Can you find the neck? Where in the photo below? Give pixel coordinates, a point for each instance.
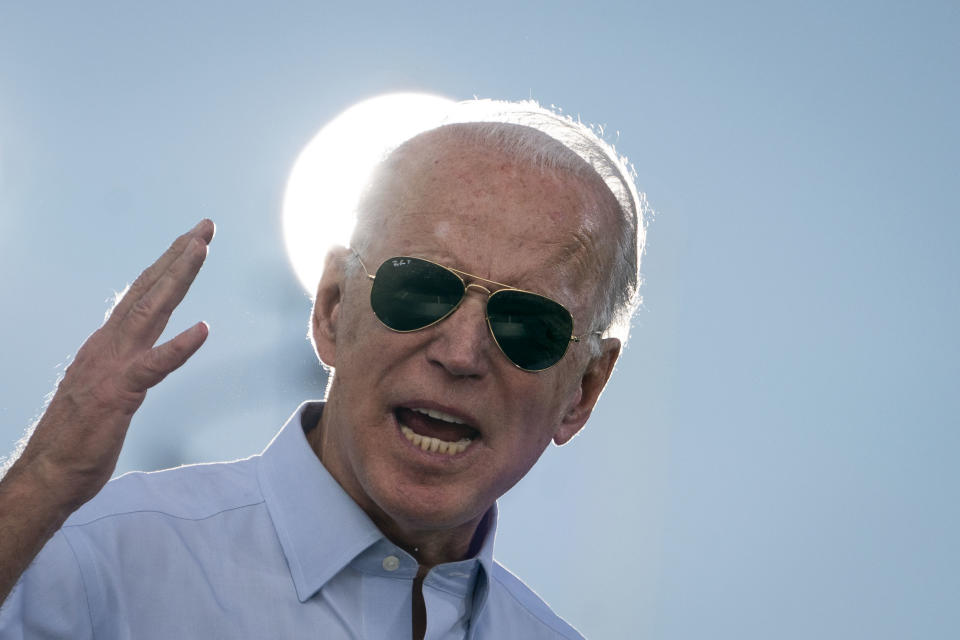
(431, 548)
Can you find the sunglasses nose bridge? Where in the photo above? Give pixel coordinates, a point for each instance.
(474, 285)
(478, 288)
(461, 340)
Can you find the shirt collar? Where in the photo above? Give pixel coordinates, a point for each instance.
(320, 528)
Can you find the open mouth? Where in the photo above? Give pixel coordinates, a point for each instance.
(435, 431)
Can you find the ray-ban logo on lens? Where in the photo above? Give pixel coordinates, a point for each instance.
(400, 263)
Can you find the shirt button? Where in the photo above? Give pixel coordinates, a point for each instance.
(391, 563)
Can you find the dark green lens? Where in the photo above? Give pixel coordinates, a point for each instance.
(410, 294)
(531, 330)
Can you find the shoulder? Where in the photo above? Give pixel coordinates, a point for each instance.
(177, 520)
(192, 492)
(531, 617)
(168, 538)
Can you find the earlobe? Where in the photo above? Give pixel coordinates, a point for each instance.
(326, 306)
(592, 382)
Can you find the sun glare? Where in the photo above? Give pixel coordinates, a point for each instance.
(326, 180)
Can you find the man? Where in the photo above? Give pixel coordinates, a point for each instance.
(467, 327)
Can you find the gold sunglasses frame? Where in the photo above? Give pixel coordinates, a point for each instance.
(466, 287)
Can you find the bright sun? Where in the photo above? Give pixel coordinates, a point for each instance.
(325, 182)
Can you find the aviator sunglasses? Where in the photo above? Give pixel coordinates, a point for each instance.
(409, 294)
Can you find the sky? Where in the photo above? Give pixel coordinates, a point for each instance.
(775, 455)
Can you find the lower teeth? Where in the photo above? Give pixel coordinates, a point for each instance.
(428, 443)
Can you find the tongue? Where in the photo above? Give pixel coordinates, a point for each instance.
(427, 426)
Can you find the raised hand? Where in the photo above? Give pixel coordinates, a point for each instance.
(76, 443)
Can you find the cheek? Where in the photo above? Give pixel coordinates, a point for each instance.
(370, 355)
(536, 410)
(549, 407)
(357, 327)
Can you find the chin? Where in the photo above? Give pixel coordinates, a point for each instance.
(423, 507)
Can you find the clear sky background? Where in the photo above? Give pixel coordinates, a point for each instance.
(777, 454)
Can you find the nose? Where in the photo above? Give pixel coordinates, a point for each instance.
(462, 342)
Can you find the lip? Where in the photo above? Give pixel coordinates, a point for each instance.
(459, 414)
(435, 458)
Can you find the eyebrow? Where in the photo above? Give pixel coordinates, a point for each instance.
(460, 272)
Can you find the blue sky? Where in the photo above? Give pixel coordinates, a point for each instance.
(776, 454)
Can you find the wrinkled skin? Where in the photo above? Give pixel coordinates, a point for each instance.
(75, 445)
(480, 212)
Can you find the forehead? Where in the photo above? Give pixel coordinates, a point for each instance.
(476, 208)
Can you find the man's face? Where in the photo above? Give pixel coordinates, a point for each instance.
(479, 212)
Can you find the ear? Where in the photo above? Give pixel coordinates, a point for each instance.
(591, 384)
(326, 306)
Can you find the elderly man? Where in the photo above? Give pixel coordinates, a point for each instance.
(468, 326)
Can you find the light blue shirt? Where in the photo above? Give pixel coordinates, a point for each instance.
(266, 547)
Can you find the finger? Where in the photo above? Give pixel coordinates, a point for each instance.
(148, 315)
(156, 364)
(204, 230)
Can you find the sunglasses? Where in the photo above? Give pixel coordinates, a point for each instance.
(409, 294)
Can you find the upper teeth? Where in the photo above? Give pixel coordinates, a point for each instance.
(439, 415)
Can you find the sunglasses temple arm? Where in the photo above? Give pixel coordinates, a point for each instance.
(362, 266)
(579, 338)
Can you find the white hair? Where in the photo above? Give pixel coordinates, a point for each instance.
(556, 142)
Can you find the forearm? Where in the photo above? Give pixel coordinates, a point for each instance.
(30, 513)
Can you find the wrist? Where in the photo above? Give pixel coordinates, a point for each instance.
(32, 485)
